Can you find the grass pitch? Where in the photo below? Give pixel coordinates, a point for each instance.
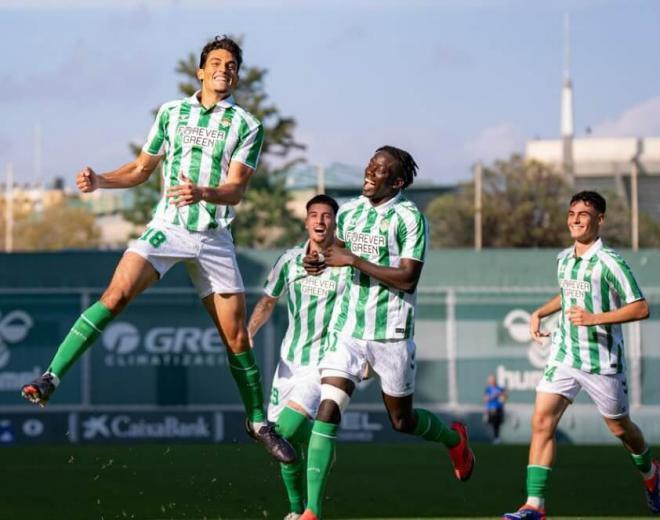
(239, 481)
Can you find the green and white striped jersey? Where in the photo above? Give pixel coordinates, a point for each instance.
(599, 281)
(201, 142)
(310, 300)
(382, 235)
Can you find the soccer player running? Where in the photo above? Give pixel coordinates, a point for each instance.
(598, 292)
(310, 299)
(382, 237)
(210, 147)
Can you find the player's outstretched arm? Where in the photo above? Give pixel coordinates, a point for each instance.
(229, 193)
(403, 278)
(126, 176)
(550, 307)
(634, 311)
(260, 315)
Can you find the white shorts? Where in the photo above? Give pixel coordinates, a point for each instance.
(209, 256)
(300, 384)
(608, 391)
(392, 360)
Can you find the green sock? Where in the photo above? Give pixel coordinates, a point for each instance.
(81, 336)
(246, 373)
(294, 426)
(431, 428)
(320, 453)
(537, 479)
(643, 461)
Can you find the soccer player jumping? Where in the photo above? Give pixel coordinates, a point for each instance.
(210, 147)
(296, 388)
(598, 292)
(382, 237)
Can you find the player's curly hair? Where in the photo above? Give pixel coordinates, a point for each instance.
(590, 198)
(225, 43)
(407, 165)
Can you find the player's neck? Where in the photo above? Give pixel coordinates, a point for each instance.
(383, 200)
(209, 98)
(582, 247)
(319, 247)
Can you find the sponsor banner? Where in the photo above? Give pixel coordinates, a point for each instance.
(131, 427)
(17, 428)
(31, 328)
(166, 351)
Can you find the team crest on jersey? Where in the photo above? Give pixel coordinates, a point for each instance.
(384, 225)
(225, 122)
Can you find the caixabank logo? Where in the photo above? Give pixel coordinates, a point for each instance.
(126, 345)
(132, 427)
(15, 326)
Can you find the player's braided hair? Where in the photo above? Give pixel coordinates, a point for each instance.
(407, 165)
(225, 43)
(590, 198)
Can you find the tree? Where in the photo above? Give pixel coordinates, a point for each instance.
(263, 219)
(58, 227)
(524, 204)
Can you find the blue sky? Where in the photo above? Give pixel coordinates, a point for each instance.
(452, 81)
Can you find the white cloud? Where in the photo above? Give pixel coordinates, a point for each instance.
(642, 120)
(495, 142)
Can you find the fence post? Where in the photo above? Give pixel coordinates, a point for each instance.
(452, 383)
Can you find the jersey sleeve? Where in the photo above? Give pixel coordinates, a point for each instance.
(156, 140)
(276, 282)
(250, 141)
(620, 278)
(413, 236)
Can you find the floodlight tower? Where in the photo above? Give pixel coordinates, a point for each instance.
(567, 107)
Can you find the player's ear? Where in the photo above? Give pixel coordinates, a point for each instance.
(200, 74)
(398, 183)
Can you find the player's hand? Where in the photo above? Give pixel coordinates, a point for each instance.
(579, 316)
(535, 328)
(87, 180)
(336, 256)
(314, 263)
(185, 193)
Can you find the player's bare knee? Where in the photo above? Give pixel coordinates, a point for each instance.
(543, 424)
(402, 423)
(329, 412)
(237, 340)
(115, 299)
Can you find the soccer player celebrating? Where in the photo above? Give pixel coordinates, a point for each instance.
(382, 237)
(598, 292)
(210, 148)
(297, 384)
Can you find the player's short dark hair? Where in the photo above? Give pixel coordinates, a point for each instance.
(590, 198)
(407, 167)
(225, 43)
(323, 199)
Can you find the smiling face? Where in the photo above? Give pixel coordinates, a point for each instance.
(320, 224)
(382, 179)
(220, 73)
(584, 222)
